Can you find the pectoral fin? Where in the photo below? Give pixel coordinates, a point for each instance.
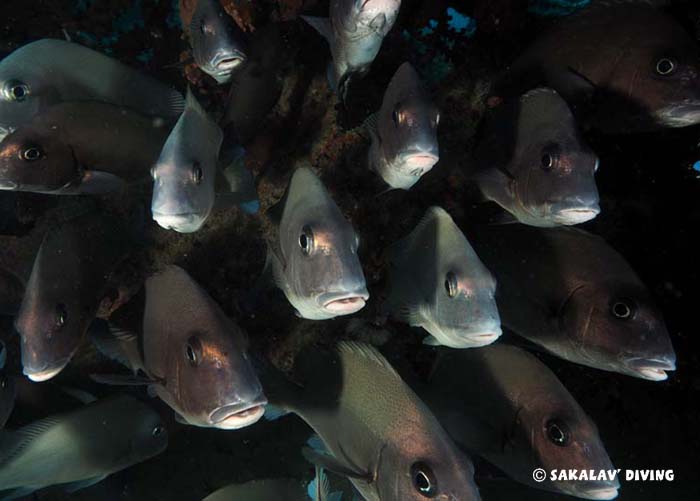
(322, 25)
(333, 464)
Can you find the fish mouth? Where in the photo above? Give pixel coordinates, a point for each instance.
(344, 303)
(227, 62)
(420, 163)
(45, 373)
(599, 493)
(575, 215)
(652, 369)
(478, 338)
(182, 223)
(680, 115)
(236, 416)
(8, 185)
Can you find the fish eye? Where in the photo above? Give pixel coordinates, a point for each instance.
(622, 309)
(597, 164)
(206, 29)
(61, 315)
(157, 431)
(193, 348)
(153, 173)
(306, 240)
(3, 382)
(197, 173)
(16, 90)
(665, 66)
(31, 153)
(557, 432)
(424, 481)
(451, 284)
(547, 161)
(437, 119)
(399, 117)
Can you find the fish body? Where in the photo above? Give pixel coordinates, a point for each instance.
(625, 65)
(404, 131)
(262, 490)
(389, 444)
(218, 44)
(81, 447)
(184, 175)
(75, 148)
(569, 292)
(504, 404)
(355, 32)
(45, 72)
(534, 163)
(65, 288)
(195, 357)
(313, 252)
(439, 283)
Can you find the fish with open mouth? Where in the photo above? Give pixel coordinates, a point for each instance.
(190, 354)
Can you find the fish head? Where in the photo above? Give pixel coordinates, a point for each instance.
(408, 124)
(218, 386)
(617, 327)
(149, 437)
(22, 94)
(185, 173)
(218, 45)
(362, 16)
(34, 160)
(553, 168)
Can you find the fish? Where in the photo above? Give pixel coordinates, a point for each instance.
(570, 293)
(503, 404)
(79, 448)
(194, 357)
(218, 44)
(313, 252)
(534, 163)
(625, 66)
(404, 131)
(390, 446)
(48, 71)
(11, 292)
(439, 283)
(355, 31)
(66, 285)
(184, 175)
(76, 148)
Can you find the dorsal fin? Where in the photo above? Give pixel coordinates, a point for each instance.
(367, 352)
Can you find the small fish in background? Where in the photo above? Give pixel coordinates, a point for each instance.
(48, 71)
(439, 283)
(572, 294)
(389, 446)
(82, 147)
(533, 162)
(235, 183)
(218, 44)
(503, 404)
(355, 32)
(404, 131)
(623, 66)
(11, 293)
(193, 356)
(184, 175)
(80, 448)
(313, 252)
(65, 288)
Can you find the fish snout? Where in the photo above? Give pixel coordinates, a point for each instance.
(575, 210)
(182, 223)
(239, 414)
(604, 489)
(420, 160)
(344, 303)
(39, 370)
(227, 61)
(653, 369)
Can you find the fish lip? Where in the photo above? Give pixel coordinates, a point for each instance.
(575, 214)
(185, 222)
(8, 185)
(344, 302)
(652, 369)
(227, 62)
(46, 372)
(600, 493)
(238, 415)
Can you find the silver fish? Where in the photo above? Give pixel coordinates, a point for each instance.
(439, 283)
(80, 448)
(313, 253)
(184, 175)
(218, 44)
(505, 405)
(404, 131)
(534, 163)
(48, 71)
(354, 31)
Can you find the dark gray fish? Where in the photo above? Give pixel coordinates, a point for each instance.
(504, 404)
(534, 163)
(80, 448)
(194, 356)
(439, 283)
(572, 294)
(65, 289)
(313, 253)
(11, 292)
(354, 31)
(378, 433)
(47, 71)
(404, 131)
(78, 148)
(218, 44)
(627, 65)
(184, 175)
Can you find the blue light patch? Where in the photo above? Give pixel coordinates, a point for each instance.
(696, 166)
(555, 8)
(461, 23)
